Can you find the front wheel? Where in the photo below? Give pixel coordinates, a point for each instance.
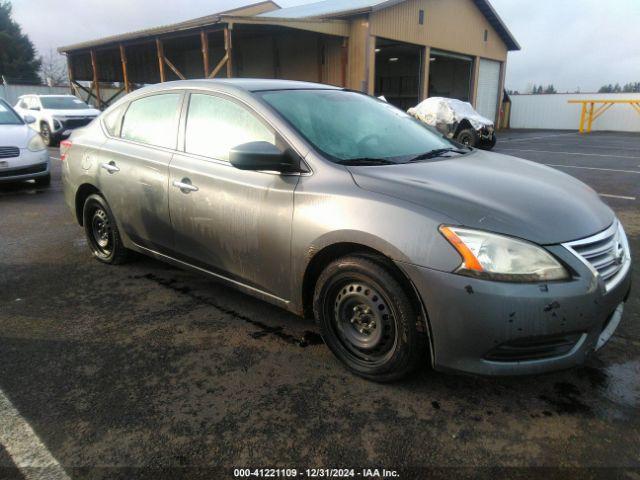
(102, 232)
(47, 136)
(489, 144)
(367, 319)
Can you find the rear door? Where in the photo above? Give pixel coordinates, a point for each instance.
(232, 222)
(134, 168)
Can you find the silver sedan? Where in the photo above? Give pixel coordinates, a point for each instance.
(406, 247)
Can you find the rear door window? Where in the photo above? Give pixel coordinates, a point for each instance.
(215, 125)
(153, 120)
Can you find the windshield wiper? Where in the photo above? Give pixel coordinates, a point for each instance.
(440, 152)
(362, 162)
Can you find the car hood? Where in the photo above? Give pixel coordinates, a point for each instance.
(86, 112)
(497, 193)
(15, 135)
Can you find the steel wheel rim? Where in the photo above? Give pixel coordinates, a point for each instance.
(101, 232)
(363, 320)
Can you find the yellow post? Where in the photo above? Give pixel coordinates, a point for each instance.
(582, 117)
(591, 107)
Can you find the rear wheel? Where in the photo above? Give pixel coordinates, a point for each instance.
(367, 319)
(468, 137)
(102, 232)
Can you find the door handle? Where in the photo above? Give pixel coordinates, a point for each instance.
(110, 167)
(185, 185)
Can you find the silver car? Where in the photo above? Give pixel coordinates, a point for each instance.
(23, 154)
(405, 247)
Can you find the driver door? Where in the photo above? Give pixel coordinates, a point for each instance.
(231, 222)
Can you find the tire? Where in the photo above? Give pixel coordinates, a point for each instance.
(367, 320)
(467, 137)
(46, 134)
(102, 232)
(43, 181)
(489, 144)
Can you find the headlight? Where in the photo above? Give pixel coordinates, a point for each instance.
(36, 144)
(496, 257)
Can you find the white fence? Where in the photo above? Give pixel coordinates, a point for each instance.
(553, 112)
(11, 93)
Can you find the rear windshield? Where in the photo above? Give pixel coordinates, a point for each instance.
(347, 125)
(63, 103)
(8, 116)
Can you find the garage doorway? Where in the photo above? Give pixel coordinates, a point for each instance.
(398, 72)
(450, 75)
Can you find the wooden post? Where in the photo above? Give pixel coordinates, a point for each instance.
(96, 81)
(204, 40)
(160, 51)
(426, 65)
(70, 73)
(125, 75)
(344, 61)
(228, 46)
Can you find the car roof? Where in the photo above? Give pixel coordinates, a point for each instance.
(241, 84)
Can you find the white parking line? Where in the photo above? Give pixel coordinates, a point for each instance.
(536, 138)
(54, 158)
(568, 153)
(24, 447)
(592, 168)
(622, 197)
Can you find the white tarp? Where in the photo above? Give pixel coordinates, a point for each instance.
(447, 111)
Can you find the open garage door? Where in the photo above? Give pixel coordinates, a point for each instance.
(398, 72)
(488, 88)
(450, 75)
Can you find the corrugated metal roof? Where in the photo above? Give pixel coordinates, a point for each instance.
(325, 8)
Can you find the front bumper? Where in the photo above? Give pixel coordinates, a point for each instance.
(29, 165)
(493, 328)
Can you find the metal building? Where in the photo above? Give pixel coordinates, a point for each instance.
(405, 50)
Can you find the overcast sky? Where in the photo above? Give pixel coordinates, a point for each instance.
(570, 43)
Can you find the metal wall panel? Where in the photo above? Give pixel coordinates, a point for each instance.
(452, 25)
(553, 112)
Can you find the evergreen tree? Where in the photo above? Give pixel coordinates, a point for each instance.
(18, 60)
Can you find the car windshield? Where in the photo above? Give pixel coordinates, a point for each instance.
(63, 103)
(349, 127)
(8, 116)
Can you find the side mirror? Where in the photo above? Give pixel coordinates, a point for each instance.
(28, 119)
(262, 156)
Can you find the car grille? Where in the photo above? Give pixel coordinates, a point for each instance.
(9, 152)
(606, 253)
(77, 122)
(24, 171)
(534, 348)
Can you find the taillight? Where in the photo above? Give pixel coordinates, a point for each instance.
(65, 145)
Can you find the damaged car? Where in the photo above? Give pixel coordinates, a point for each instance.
(407, 248)
(457, 120)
